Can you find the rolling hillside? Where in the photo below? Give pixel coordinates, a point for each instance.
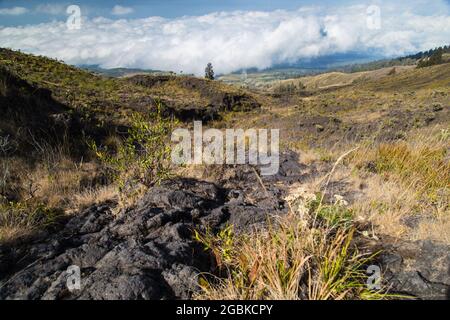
(339, 79)
(112, 99)
(86, 178)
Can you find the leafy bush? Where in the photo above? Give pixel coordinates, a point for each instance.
(144, 155)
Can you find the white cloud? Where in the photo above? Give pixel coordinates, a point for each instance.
(235, 40)
(15, 11)
(120, 10)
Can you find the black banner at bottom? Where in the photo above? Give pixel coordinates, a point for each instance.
(216, 309)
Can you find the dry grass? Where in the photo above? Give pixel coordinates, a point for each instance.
(291, 259)
(288, 261)
(385, 205)
(57, 184)
(434, 228)
(21, 219)
(93, 196)
(407, 188)
(401, 212)
(420, 164)
(36, 194)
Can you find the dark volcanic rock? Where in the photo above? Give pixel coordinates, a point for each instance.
(148, 251)
(145, 252)
(150, 81)
(419, 269)
(215, 97)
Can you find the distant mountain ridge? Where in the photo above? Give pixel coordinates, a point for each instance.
(118, 72)
(348, 62)
(411, 59)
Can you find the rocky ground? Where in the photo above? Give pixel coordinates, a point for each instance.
(419, 269)
(148, 252)
(145, 252)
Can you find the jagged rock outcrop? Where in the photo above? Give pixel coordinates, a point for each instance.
(148, 251)
(212, 97)
(419, 269)
(145, 252)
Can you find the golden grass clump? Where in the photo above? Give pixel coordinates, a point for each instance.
(290, 259)
(20, 219)
(289, 262)
(406, 183)
(421, 162)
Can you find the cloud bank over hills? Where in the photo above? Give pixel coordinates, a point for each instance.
(239, 39)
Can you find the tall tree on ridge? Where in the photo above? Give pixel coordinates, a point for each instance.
(209, 72)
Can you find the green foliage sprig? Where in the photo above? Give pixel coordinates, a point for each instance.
(144, 156)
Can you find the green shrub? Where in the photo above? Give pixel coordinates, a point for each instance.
(144, 155)
(336, 214)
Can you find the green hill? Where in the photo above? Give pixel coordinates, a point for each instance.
(112, 99)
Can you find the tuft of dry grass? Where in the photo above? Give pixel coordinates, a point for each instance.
(32, 196)
(407, 186)
(291, 259)
(21, 219)
(421, 163)
(93, 196)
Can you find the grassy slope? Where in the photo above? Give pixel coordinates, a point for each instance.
(434, 77)
(50, 111)
(339, 79)
(382, 109)
(108, 99)
(400, 123)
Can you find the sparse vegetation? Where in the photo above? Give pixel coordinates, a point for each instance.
(144, 156)
(289, 260)
(70, 139)
(289, 88)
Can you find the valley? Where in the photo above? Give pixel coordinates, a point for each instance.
(363, 180)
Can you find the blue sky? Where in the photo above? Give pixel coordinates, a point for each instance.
(36, 12)
(172, 34)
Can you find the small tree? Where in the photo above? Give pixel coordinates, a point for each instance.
(144, 155)
(209, 72)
